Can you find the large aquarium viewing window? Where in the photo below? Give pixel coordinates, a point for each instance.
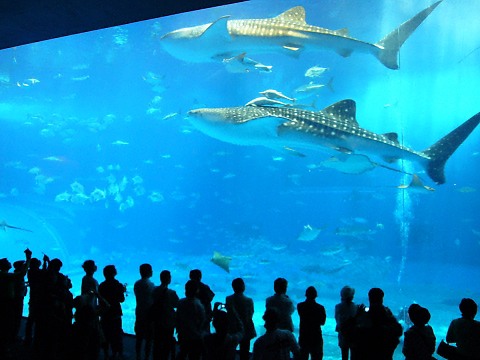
(331, 143)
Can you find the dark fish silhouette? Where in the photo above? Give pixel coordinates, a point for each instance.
(4, 226)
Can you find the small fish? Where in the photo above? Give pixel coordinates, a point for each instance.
(315, 71)
(80, 78)
(170, 116)
(274, 94)
(467, 189)
(34, 170)
(54, 158)
(264, 101)
(137, 180)
(309, 233)
(153, 79)
(156, 197)
(79, 198)
(119, 142)
(77, 187)
(243, 64)
(229, 176)
(310, 89)
(97, 195)
(65, 196)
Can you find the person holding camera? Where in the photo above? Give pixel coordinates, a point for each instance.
(377, 331)
(222, 344)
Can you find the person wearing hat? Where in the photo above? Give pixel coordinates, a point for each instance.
(345, 313)
(419, 339)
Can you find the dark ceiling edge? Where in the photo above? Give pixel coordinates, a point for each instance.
(27, 21)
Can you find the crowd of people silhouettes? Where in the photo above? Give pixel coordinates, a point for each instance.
(60, 326)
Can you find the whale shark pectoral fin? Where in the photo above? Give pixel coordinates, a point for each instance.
(344, 52)
(390, 159)
(217, 29)
(292, 50)
(344, 150)
(350, 164)
(293, 152)
(294, 15)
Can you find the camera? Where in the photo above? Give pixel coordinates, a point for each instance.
(219, 306)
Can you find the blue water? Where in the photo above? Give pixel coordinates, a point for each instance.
(106, 110)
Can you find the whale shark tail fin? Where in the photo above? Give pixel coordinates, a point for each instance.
(441, 151)
(390, 44)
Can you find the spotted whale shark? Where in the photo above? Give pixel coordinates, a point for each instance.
(333, 130)
(287, 32)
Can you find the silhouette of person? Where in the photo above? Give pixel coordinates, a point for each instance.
(191, 320)
(165, 301)
(55, 319)
(377, 330)
(312, 318)
(89, 286)
(205, 295)
(345, 313)
(8, 300)
(419, 339)
(143, 290)
(111, 295)
(222, 344)
(465, 331)
(275, 344)
(86, 333)
(244, 308)
(20, 291)
(282, 303)
(35, 283)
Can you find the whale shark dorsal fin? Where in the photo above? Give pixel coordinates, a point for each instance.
(294, 15)
(341, 32)
(343, 110)
(217, 28)
(392, 136)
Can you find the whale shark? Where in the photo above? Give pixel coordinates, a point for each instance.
(287, 32)
(333, 130)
